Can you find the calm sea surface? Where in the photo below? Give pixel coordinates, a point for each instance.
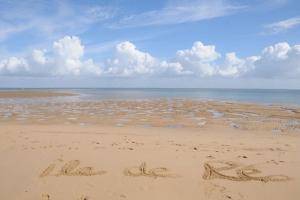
(264, 96)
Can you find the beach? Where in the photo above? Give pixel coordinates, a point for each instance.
(162, 148)
(149, 100)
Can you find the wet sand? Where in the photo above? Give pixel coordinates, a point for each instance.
(156, 149)
(31, 94)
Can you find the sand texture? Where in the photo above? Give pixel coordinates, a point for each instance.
(158, 149)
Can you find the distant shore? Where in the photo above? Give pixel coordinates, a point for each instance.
(32, 94)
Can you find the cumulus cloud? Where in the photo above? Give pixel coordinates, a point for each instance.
(38, 57)
(13, 65)
(279, 61)
(278, 51)
(128, 61)
(235, 66)
(68, 52)
(67, 58)
(276, 61)
(199, 59)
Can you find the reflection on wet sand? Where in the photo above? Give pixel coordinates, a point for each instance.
(169, 113)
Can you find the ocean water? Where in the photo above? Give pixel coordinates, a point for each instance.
(264, 96)
(261, 96)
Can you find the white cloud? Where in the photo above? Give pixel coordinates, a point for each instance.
(235, 66)
(68, 52)
(199, 53)
(38, 57)
(283, 25)
(199, 59)
(69, 47)
(277, 52)
(13, 65)
(173, 68)
(38, 63)
(129, 61)
(179, 12)
(279, 61)
(66, 58)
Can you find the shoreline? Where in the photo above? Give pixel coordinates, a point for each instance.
(179, 93)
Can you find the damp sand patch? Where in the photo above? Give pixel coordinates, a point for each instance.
(32, 94)
(216, 114)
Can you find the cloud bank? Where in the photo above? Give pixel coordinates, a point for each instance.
(67, 58)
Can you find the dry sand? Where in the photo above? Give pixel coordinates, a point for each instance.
(163, 150)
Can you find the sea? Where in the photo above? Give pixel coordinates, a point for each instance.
(259, 96)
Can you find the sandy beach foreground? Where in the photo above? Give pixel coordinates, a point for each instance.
(160, 149)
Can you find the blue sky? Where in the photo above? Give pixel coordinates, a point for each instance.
(137, 43)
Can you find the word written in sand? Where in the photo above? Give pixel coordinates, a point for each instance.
(143, 171)
(71, 168)
(213, 170)
(242, 173)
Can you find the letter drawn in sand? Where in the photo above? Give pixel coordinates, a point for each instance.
(242, 173)
(143, 171)
(48, 170)
(71, 169)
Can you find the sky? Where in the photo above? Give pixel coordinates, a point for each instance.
(157, 43)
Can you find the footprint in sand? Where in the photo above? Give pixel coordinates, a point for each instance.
(45, 197)
(243, 173)
(242, 156)
(84, 198)
(143, 171)
(210, 157)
